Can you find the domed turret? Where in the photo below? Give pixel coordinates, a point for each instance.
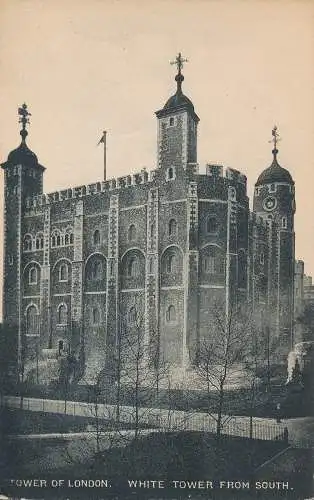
(274, 173)
(22, 155)
(177, 128)
(179, 100)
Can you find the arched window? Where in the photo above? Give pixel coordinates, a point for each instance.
(132, 233)
(63, 272)
(96, 237)
(71, 238)
(62, 314)
(95, 316)
(213, 262)
(53, 240)
(32, 276)
(133, 267)
(97, 270)
(171, 314)
(58, 240)
(172, 227)
(39, 242)
(66, 239)
(27, 243)
(132, 316)
(170, 262)
(212, 224)
(32, 321)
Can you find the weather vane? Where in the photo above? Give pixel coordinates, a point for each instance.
(24, 114)
(275, 138)
(179, 60)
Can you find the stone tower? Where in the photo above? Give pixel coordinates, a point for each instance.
(274, 201)
(23, 177)
(177, 128)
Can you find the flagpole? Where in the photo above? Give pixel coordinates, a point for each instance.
(105, 154)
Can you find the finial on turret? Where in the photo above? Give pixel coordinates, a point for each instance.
(275, 140)
(179, 60)
(24, 120)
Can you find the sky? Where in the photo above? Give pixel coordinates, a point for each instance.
(83, 66)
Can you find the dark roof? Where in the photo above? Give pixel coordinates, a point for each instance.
(178, 100)
(22, 156)
(274, 173)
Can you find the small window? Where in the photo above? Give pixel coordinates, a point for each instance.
(11, 260)
(32, 276)
(63, 272)
(233, 194)
(284, 223)
(170, 174)
(27, 244)
(96, 237)
(133, 267)
(132, 233)
(171, 315)
(152, 230)
(58, 241)
(71, 238)
(262, 258)
(212, 225)
(151, 265)
(62, 314)
(95, 316)
(39, 242)
(132, 316)
(172, 227)
(257, 191)
(171, 121)
(66, 239)
(170, 262)
(273, 188)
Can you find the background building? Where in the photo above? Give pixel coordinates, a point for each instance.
(84, 263)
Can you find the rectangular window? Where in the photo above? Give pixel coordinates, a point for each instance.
(273, 188)
(284, 223)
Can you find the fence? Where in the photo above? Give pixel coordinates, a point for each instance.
(163, 419)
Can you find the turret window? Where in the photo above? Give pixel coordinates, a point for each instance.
(132, 233)
(63, 272)
(62, 314)
(133, 267)
(96, 237)
(32, 321)
(32, 276)
(95, 316)
(284, 223)
(39, 241)
(27, 243)
(212, 225)
(171, 315)
(170, 264)
(172, 227)
(170, 174)
(272, 188)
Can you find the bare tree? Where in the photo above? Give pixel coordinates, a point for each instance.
(220, 355)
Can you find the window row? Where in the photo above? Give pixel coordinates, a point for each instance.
(134, 320)
(32, 243)
(60, 239)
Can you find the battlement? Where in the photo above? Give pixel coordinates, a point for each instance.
(217, 170)
(142, 177)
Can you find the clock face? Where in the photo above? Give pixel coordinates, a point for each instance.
(270, 203)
